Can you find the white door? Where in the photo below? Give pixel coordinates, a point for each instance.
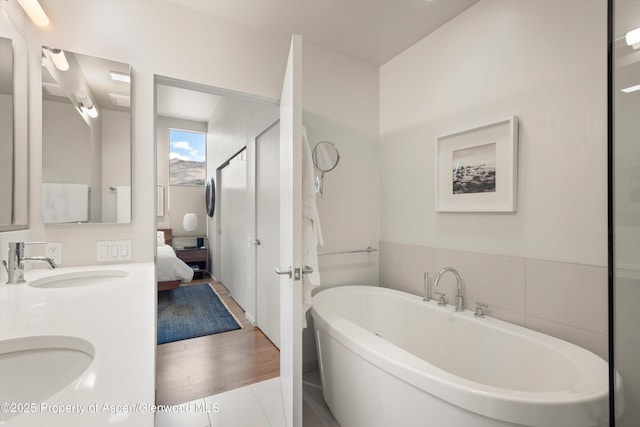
(235, 233)
(291, 235)
(267, 240)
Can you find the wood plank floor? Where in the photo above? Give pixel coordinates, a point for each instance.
(196, 368)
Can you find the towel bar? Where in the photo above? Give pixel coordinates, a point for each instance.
(353, 251)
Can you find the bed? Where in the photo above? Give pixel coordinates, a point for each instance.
(170, 270)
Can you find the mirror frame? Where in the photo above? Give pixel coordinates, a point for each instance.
(20, 166)
(315, 158)
(210, 196)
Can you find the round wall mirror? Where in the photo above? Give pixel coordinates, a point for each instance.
(325, 156)
(210, 195)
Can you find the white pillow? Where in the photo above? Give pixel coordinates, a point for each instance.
(160, 238)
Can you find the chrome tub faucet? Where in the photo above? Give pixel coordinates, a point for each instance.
(459, 297)
(17, 258)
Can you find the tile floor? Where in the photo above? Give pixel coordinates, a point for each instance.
(255, 405)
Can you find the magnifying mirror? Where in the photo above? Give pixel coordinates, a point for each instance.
(325, 156)
(210, 194)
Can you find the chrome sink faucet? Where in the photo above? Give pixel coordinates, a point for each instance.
(15, 266)
(459, 297)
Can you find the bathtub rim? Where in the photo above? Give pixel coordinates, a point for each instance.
(514, 405)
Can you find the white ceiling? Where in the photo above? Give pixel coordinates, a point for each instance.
(373, 31)
(186, 104)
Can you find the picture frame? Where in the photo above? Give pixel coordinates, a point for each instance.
(477, 169)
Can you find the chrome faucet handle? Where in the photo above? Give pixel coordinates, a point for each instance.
(426, 287)
(479, 312)
(441, 298)
(6, 267)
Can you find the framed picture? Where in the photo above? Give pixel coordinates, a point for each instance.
(477, 169)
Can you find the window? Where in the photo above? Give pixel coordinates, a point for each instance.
(187, 154)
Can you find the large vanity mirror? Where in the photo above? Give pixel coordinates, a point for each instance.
(13, 127)
(86, 139)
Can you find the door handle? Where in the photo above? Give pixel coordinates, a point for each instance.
(257, 242)
(295, 273)
(286, 272)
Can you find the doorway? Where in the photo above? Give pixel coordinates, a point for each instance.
(200, 367)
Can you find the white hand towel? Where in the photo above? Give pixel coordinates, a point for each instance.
(65, 203)
(123, 204)
(311, 232)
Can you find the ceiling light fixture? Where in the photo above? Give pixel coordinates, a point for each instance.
(633, 38)
(58, 58)
(86, 105)
(35, 12)
(120, 77)
(631, 89)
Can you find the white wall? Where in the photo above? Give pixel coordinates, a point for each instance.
(234, 125)
(544, 266)
(115, 158)
(178, 199)
(178, 43)
(500, 58)
(67, 142)
(340, 98)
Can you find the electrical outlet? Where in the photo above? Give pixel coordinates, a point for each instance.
(54, 251)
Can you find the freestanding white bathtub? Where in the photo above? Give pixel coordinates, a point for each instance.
(388, 358)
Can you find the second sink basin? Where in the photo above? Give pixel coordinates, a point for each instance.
(35, 368)
(77, 278)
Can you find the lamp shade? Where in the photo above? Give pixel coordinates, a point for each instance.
(190, 222)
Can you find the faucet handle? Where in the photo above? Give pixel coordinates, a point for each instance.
(427, 297)
(441, 298)
(479, 312)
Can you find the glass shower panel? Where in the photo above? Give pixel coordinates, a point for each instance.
(625, 98)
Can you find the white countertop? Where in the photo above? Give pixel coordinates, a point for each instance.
(118, 318)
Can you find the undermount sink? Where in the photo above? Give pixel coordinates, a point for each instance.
(77, 278)
(35, 368)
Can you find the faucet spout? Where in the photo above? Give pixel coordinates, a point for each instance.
(15, 264)
(459, 296)
(50, 263)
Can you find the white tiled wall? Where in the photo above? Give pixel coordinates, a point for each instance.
(565, 300)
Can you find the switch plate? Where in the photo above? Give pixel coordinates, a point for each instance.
(54, 251)
(114, 250)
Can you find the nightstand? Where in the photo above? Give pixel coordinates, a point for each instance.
(197, 259)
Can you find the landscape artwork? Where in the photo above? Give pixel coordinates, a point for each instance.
(474, 169)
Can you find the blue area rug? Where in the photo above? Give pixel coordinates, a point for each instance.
(190, 312)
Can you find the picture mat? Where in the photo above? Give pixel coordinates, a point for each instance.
(504, 134)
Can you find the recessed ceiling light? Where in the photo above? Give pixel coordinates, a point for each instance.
(120, 77)
(54, 89)
(120, 100)
(631, 89)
